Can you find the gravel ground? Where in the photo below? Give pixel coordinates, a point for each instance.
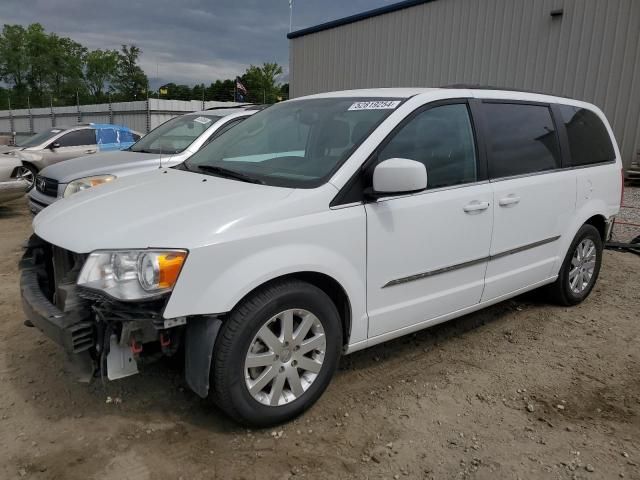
(521, 390)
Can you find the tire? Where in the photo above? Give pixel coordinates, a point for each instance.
(562, 290)
(243, 338)
(28, 172)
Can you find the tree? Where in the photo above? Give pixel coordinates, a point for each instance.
(261, 82)
(130, 80)
(14, 62)
(284, 91)
(220, 91)
(100, 69)
(66, 62)
(37, 45)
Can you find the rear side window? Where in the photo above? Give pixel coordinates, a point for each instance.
(589, 140)
(86, 136)
(442, 139)
(221, 130)
(520, 138)
(107, 135)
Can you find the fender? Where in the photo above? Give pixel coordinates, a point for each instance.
(590, 209)
(216, 277)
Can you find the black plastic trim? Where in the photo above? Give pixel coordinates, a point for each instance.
(469, 263)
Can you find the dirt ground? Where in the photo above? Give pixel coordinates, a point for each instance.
(522, 390)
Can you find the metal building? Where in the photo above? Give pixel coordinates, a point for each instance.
(584, 49)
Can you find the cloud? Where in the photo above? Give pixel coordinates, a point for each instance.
(191, 41)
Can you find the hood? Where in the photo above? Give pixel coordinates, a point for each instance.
(107, 163)
(9, 162)
(8, 149)
(163, 208)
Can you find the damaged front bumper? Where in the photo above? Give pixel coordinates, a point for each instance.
(101, 335)
(108, 337)
(66, 321)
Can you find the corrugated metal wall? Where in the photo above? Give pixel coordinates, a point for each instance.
(591, 53)
(135, 115)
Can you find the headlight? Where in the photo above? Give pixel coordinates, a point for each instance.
(132, 274)
(86, 182)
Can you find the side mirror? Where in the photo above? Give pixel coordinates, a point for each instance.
(54, 145)
(398, 175)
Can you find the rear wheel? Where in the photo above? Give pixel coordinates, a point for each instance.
(276, 353)
(580, 268)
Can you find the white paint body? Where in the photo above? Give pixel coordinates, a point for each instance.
(241, 235)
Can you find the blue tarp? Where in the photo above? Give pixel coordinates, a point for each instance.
(112, 137)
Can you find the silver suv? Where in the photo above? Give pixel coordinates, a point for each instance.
(62, 143)
(167, 145)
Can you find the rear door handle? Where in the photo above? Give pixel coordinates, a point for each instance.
(475, 206)
(509, 200)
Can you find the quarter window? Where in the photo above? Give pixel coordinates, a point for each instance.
(521, 139)
(442, 139)
(86, 136)
(589, 140)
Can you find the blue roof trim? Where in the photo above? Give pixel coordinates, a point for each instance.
(357, 17)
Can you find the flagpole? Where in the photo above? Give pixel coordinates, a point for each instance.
(290, 14)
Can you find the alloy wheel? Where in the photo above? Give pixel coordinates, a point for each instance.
(583, 264)
(26, 174)
(285, 357)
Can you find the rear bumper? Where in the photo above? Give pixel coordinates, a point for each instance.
(72, 329)
(12, 189)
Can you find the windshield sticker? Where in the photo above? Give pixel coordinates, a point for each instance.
(202, 120)
(376, 105)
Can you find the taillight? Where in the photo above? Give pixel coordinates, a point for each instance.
(622, 186)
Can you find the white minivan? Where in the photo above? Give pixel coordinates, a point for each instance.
(320, 226)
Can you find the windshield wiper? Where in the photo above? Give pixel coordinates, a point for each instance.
(225, 172)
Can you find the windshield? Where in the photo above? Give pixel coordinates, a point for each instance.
(39, 138)
(294, 144)
(175, 135)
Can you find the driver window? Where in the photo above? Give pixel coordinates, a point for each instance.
(442, 139)
(86, 136)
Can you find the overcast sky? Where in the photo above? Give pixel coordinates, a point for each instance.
(190, 41)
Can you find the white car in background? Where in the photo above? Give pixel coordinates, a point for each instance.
(167, 145)
(321, 226)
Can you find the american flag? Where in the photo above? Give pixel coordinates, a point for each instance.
(240, 87)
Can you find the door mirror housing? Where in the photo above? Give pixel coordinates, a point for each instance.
(398, 175)
(54, 145)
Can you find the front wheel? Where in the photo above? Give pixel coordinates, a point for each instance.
(276, 353)
(580, 268)
(27, 173)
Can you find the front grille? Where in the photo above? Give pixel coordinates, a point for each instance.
(47, 186)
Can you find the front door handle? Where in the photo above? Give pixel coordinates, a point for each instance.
(475, 206)
(509, 200)
(90, 151)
